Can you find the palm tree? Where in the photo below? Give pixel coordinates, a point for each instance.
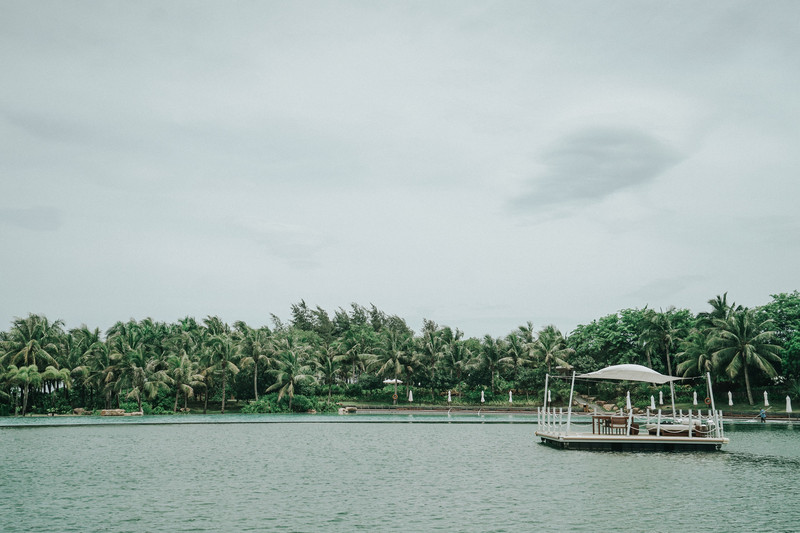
(429, 354)
(133, 367)
(458, 358)
(743, 341)
(32, 342)
(720, 308)
(98, 371)
(695, 359)
(138, 376)
(185, 377)
(256, 346)
(491, 354)
(290, 372)
(223, 353)
(516, 354)
(358, 351)
(551, 347)
(24, 378)
(660, 334)
(327, 366)
(396, 346)
(54, 378)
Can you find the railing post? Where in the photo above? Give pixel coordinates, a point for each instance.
(569, 407)
(658, 424)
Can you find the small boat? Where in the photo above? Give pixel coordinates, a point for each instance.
(626, 431)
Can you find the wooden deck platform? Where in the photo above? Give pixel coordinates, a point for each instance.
(617, 442)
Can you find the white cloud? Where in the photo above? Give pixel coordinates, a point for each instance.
(202, 158)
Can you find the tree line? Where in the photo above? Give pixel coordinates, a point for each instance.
(316, 359)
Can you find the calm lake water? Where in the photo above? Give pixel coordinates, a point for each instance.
(380, 473)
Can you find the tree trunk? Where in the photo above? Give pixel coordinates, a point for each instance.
(175, 407)
(671, 383)
(394, 397)
(224, 379)
(27, 387)
(205, 401)
(747, 384)
(255, 379)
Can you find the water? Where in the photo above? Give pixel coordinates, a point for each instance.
(339, 474)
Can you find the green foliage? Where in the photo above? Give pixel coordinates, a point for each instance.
(369, 382)
(132, 407)
(269, 403)
(347, 355)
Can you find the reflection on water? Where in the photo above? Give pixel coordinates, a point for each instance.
(418, 475)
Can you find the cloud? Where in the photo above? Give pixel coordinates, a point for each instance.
(296, 246)
(594, 163)
(666, 289)
(42, 218)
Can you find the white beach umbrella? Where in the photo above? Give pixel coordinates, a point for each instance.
(510, 398)
(788, 404)
(660, 398)
(766, 399)
(694, 398)
(482, 398)
(628, 401)
(448, 397)
(730, 398)
(652, 402)
(410, 395)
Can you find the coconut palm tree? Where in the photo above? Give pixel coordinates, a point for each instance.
(458, 358)
(256, 347)
(139, 376)
(491, 355)
(185, 377)
(396, 347)
(517, 353)
(23, 378)
(720, 309)
(429, 354)
(327, 366)
(695, 359)
(98, 372)
(32, 341)
(54, 379)
(743, 342)
(550, 347)
(133, 367)
(223, 354)
(659, 336)
(290, 371)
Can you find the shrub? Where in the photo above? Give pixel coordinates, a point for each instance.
(300, 403)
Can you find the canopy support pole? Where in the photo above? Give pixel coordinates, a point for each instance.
(713, 407)
(546, 379)
(569, 409)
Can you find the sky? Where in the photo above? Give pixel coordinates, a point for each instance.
(478, 164)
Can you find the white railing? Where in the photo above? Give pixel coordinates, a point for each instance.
(551, 419)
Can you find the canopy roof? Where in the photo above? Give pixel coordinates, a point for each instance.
(630, 373)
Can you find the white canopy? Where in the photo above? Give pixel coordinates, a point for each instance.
(392, 381)
(630, 373)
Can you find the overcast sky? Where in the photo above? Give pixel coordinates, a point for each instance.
(479, 164)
